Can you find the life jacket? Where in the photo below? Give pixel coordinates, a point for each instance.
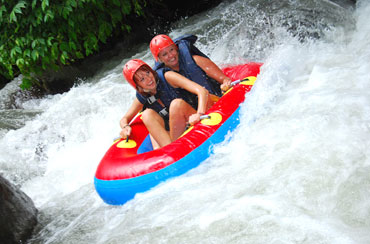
(188, 97)
(191, 70)
(166, 93)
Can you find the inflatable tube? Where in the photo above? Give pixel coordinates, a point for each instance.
(127, 169)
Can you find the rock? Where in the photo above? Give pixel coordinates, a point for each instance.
(18, 214)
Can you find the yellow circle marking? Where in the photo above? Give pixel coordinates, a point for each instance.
(250, 80)
(215, 119)
(129, 144)
(116, 141)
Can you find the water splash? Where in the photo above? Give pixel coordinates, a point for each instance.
(295, 171)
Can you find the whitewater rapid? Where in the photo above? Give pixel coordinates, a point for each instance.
(296, 170)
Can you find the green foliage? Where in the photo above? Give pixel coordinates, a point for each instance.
(39, 35)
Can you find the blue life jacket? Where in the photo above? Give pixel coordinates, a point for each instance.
(166, 93)
(188, 97)
(191, 70)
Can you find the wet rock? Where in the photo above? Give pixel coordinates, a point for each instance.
(18, 214)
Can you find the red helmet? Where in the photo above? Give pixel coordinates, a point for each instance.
(130, 68)
(158, 43)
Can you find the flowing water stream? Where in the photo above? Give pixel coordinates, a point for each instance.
(296, 170)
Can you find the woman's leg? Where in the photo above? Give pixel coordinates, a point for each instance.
(155, 125)
(155, 144)
(180, 112)
(179, 116)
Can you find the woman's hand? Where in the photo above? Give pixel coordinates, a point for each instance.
(226, 84)
(125, 132)
(135, 108)
(194, 118)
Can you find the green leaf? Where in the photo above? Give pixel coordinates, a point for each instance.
(73, 35)
(105, 30)
(44, 4)
(73, 3)
(34, 43)
(12, 17)
(34, 2)
(126, 7)
(18, 7)
(62, 59)
(64, 47)
(126, 27)
(35, 54)
(116, 16)
(71, 23)
(2, 9)
(66, 11)
(55, 51)
(41, 41)
(20, 62)
(39, 16)
(18, 49)
(79, 55)
(65, 54)
(48, 15)
(14, 51)
(27, 53)
(18, 42)
(45, 62)
(72, 45)
(26, 83)
(49, 41)
(88, 50)
(100, 5)
(138, 9)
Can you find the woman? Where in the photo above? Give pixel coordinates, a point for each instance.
(165, 114)
(183, 57)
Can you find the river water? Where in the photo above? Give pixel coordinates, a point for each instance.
(297, 169)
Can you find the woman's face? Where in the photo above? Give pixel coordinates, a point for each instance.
(145, 79)
(169, 56)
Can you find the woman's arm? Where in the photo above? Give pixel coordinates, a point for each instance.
(179, 81)
(136, 107)
(213, 71)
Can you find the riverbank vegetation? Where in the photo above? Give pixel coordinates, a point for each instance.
(41, 35)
